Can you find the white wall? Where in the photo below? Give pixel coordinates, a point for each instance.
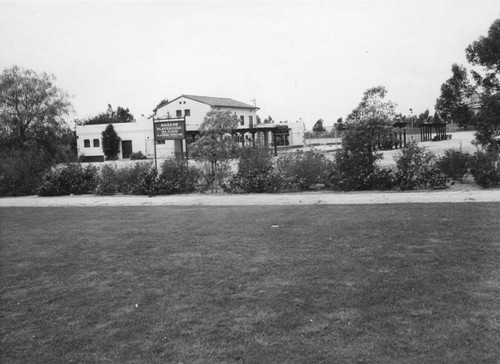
(198, 111)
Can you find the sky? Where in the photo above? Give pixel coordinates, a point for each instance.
(297, 59)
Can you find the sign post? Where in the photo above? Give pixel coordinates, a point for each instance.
(168, 129)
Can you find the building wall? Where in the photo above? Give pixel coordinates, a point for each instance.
(198, 111)
(140, 133)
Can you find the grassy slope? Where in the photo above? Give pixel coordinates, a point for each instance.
(385, 283)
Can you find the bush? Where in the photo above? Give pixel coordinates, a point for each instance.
(137, 156)
(302, 170)
(107, 182)
(484, 168)
(415, 168)
(255, 166)
(177, 177)
(121, 180)
(71, 179)
(454, 163)
(21, 172)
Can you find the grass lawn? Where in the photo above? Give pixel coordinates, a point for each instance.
(416, 283)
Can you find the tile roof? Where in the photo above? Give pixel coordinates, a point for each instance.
(220, 101)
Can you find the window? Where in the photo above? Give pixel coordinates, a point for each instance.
(187, 112)
(250, 121)
(242, 118)
(86, 143)
(178, 113)
(96, 143)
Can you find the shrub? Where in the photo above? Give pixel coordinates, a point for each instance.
(177, 176)
(484, 168)
(302, 170)
(415, 168)
(255, 165)
(137, 156)
(454, 163)
(147, 183)
(124, 180)
(21, 171)
(71, 179)
(107, 182)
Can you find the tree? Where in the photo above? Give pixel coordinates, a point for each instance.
(121, 115)
(485, 52)
(30, 106)
(365, 125)
(318, 127)
(453, 102)
(110, 143)
(33, 132)
(215, 145)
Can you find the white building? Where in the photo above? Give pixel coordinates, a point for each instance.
(138, 135)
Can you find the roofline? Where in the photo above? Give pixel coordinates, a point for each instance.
(206, 103)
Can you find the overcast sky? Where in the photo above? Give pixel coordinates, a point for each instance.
(297, 59)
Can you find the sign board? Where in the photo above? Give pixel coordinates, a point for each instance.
(170, 130)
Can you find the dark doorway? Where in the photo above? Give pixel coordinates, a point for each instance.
(126, 148)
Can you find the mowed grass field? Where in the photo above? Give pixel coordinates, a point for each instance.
(414, 283)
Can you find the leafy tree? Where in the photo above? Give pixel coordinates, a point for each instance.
(485, 52)
(365, 125)
(30, 106)
(318, 126)
(268, 120)
(121, 115)
(110, 143)
(453, 102)
(456, 92)
(216, 145)
(33, 132)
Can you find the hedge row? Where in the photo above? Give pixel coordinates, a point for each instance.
(258, 171)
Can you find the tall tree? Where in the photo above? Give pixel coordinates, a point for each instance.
(110, 143)
(216, 145)
(485, 53)
(364, 126)
(30, 106)
(33, 132)
(453, 102)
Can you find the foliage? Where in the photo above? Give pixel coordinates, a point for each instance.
(255, 167)
(178, 177)
(121, 115)
(318, 126)
(454, 163)
(415, 168)
(302, 170)
(367, 124)
(33, 133)
(21, 171)
(126, 180)
(456, 92)
(215, 146)
(485, 169)
(137, 156)
(110, 143)
(71, 179)
(487, 123)
(356, 160)
(485, 52)
(30, 106)
(452, 104)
